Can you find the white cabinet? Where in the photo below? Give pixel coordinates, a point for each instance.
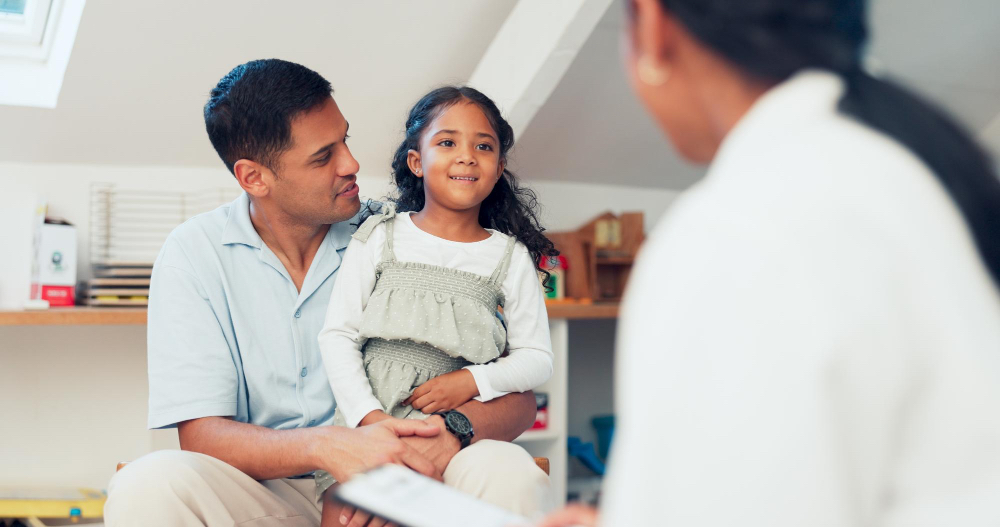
(551, 442)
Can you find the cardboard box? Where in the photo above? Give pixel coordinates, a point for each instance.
(56, 261)
(21, 215)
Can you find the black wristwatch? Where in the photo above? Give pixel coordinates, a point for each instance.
(458, 425)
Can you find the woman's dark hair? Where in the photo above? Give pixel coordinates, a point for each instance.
(773, 39)
(510, 208)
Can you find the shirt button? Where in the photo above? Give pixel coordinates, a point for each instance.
(298, 313)
(305, 371)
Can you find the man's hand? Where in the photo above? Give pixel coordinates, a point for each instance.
(433, 448)
(438, 449)
(570, 516)
(346, 452)
(444, 392)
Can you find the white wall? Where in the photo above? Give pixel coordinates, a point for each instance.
(74, 404)
(67, 190)
(74, 398)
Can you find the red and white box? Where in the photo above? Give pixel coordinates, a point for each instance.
(56, 261)
(542, 415)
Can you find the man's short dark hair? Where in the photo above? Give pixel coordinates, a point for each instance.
(249, 112)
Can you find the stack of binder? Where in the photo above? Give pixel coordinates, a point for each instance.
(119, 284)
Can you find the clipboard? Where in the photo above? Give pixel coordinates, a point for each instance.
(407, 498)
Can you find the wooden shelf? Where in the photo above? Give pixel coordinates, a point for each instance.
(133, 316)
(572, 311)
(550, 443)
(79, 315)
(614, 261)
(537, 435)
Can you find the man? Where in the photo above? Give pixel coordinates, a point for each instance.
(237, 299)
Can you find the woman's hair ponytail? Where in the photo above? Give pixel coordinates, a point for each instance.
(960, 165)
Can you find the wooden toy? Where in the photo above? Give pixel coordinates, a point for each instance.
(600, 255)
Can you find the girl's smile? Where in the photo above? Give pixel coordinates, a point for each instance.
(464, 178)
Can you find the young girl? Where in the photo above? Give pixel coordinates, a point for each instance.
(434, 287)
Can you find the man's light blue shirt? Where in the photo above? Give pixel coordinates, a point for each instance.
(229, 335)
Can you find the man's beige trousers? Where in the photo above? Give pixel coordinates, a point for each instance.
(177, 488)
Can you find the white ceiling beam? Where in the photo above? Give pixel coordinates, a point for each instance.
(531, 52)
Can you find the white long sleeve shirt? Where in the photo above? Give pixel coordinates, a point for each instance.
(529, 362)
(810, 338)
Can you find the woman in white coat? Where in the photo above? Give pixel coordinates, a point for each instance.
(812, 334)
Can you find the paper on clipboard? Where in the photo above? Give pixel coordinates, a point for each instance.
(407, 498)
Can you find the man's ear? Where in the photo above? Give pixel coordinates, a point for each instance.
(253, 177)
(413, 162)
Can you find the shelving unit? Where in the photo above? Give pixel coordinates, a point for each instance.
(578, 311)
(538, 435)
(75, 316)
(550, 443)
(131, 316)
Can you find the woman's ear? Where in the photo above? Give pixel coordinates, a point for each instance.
(501, 166)
(653, 41)
(413, 161)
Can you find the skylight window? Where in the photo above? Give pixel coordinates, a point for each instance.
(36, 39)
(12, 7)
(23, 21)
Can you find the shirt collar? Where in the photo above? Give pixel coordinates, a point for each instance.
(805, 96)
(239, 229)
(340, 234)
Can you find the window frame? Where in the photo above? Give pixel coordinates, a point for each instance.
(28, 28)
(38, 69)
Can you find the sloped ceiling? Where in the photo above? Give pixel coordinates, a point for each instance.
(592, 129)
(141, 71)
(139, 76)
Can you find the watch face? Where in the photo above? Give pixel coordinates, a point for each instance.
(458, 423)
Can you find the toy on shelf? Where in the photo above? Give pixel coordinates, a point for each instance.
(600, 255)
(555, 286)
(586, 454)
(605, 427)
(542, 414)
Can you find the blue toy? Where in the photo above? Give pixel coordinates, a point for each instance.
(586, 454)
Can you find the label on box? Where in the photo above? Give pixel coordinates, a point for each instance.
(58, 295)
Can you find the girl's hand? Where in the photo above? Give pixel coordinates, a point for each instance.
(444, 392)
(352, 517)
(373, 417)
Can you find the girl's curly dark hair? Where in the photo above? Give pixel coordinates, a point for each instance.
(510, 208)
